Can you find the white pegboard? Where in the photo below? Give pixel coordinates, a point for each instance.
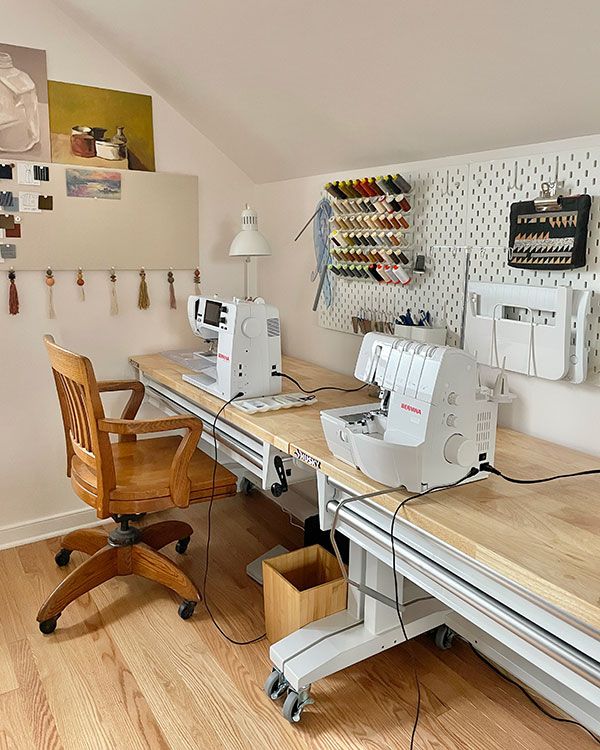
(468, 206)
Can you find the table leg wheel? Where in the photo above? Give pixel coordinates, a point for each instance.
(444, 637)
(275, 685)
(246, 486)
(294, 705)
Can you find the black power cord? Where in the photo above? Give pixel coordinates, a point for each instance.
(514, 480)
(471, 473)
(208, 535)
(529, 697)
(322, 388)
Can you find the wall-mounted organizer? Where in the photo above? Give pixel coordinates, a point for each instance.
(370, 229)
(465, 209)
(534, 330)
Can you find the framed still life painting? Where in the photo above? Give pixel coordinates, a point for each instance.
(95, 127)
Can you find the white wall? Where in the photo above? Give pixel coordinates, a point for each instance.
(32, 479)
(558, 411)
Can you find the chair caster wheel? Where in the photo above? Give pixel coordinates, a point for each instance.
(49, 626)
(62, 557)
(186, 609)
(294, 704)
(182, 545)
(444, 637)
(275, 685)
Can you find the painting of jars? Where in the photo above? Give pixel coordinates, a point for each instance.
(100, 127)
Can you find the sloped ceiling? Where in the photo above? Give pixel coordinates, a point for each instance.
(289, 88)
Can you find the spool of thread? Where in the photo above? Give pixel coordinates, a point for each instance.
(374, 186)
(402, 275)
(402, 185)
(402, 221)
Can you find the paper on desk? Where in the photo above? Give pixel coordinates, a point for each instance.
(28, 202)
(26, 173)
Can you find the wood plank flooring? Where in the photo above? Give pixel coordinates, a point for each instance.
(124, 672)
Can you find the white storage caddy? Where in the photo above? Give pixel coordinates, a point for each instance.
(538, 331)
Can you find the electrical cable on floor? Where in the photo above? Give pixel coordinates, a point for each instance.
(538, 705)
(322, 388)
(208, 535)
(334, 522)
(514, 480)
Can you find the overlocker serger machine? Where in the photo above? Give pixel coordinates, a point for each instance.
(245, 347)
(434, 421)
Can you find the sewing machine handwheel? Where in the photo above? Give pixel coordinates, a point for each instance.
(444, 637)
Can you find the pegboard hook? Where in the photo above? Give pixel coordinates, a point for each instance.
(514, 186)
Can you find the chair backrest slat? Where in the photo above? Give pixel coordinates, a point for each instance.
(81, 408)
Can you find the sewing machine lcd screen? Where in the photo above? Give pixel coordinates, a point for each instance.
(212, 313)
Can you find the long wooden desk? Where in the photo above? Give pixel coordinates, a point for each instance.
(544, 538)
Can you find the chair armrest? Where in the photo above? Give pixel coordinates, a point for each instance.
(148, 426)
(135, 400)
(179, 481)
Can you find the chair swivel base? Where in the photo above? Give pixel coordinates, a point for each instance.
(125, 551)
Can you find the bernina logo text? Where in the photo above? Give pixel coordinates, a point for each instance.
(223, 356)
(413, 409)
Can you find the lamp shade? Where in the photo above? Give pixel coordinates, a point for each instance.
(249, 241)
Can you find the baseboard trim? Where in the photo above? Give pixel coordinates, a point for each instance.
(45, 528)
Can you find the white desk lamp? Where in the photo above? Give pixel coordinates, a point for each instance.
(249, 242)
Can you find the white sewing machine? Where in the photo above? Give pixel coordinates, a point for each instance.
(245, 347)
(434, 422)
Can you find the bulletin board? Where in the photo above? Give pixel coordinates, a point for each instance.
(153, 224)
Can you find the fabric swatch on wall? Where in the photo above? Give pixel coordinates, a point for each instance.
(45, 202)
(6, 198)
(8, 252)
(6, 172)
(14, 232)
(7, 221)
(41, 173)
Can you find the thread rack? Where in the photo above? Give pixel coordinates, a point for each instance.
(370, 229)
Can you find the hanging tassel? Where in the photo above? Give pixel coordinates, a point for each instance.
(143, 296)
(114, 301)
(197, 281)
(13, 295)
(80, 283)
(171, 281)
(50, 284)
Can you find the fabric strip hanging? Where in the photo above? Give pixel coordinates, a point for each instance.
(13, 295)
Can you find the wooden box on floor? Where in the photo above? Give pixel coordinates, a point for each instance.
(300, 587)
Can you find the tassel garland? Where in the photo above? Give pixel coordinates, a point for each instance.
(171, 282)
(197, 281)
(50, 284)
(13, 295)
(143, 296)
(80, 283)
(114, 301)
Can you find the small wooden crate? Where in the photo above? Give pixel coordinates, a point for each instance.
(300, 587)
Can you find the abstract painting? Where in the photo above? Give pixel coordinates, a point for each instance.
(93, 183)
(96, 127)
(24, 131)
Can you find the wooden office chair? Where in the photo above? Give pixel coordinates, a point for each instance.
(125, 480)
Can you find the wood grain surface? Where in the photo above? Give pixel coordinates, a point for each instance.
(546, 537)
(124, 672)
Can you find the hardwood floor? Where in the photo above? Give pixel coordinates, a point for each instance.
(123, 671)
